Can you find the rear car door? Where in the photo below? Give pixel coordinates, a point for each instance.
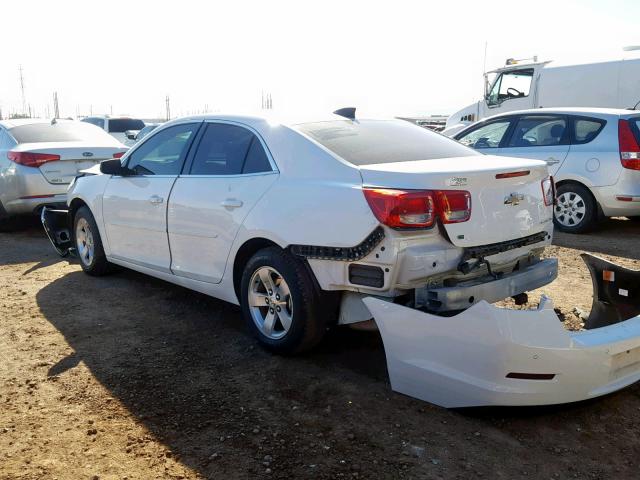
(486, 137)
(541, 137)
(226, 175)
(134, 207)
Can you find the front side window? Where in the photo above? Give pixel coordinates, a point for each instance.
(539, 131)
(514, 84)
(586, 129)
(164, 152)
(229, 150)
(486, 136)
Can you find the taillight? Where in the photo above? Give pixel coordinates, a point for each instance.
(118, 154)
(402, 208)
(629, 148)
(454, 206)
(29, 159)
(418, 208)
(548, 191)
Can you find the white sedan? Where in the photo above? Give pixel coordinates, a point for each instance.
(299, 222)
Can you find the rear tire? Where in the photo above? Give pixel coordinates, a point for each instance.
(280, 303)
(576, 210)
(88, 244)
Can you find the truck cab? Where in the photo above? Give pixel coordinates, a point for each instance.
(512, 87)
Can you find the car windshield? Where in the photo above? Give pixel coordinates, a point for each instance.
(121, 125)
(60, 132)
(368, 142)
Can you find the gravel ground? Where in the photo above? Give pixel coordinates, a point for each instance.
(126, 377)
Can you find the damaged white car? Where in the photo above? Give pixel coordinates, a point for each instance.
(333, 220)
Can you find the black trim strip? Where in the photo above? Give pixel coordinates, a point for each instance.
(345, 254)
(495, 248)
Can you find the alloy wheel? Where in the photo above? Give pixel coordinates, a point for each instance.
(270, 303)
(570, 209)
(84, 241)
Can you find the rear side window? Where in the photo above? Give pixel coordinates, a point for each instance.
(587, 129)
(539, 131)
(485, 136)
(368, 142)
(229, 150)
(121, 125)
(98, 122)
(60, 132)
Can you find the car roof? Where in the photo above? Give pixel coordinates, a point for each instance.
(273, 118)
(569, 110)
(17, 122)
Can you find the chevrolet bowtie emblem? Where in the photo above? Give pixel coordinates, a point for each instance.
(513, 199)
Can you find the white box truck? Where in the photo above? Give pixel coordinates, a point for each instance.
(521, 85)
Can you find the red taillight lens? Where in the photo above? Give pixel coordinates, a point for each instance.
(118, 154)
(402, 208)
(418, 208)
(29, 159)
(548, 191)
(629, 148)
(454, 206)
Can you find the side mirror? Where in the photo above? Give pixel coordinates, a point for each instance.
(131, 135)
(114, 167)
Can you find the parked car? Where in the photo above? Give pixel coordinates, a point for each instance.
(123, 129)
(148, 128)
(39, 158)
(298, 221)
(525, 84)
(592, 153)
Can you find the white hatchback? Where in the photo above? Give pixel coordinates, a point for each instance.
(592, 153)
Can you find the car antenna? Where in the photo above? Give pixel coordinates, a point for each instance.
(54, 120)
(347, 112)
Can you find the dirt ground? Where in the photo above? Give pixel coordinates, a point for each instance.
(126, 377)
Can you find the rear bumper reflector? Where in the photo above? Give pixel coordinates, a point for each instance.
(29, 197)
(627, 198)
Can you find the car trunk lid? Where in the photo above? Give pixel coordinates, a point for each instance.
(506, 193)
(74, 157)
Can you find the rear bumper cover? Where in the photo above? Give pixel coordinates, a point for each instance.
(493, 356)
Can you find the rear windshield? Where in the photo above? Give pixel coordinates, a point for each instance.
(60, 132)
(368, 142)
(120, 125)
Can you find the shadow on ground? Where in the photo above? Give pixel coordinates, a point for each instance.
(604, 239)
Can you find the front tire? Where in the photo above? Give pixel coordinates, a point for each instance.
(89, 244)
(575, 210)
(280, 303)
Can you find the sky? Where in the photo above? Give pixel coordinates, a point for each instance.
(385, 58)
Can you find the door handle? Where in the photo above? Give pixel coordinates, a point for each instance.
(552, 161)
(156, 200)
(231, 203)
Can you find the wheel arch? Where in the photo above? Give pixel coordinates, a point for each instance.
(247, 250)
(570, 181)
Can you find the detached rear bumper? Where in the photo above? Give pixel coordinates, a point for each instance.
(492, 356)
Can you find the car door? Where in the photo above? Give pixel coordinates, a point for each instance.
(540, 136)
(226, 175)
(486, 137)
(134, 206)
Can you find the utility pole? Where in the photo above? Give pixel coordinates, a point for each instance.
(56, 110)
(24, 99)
(167, 107)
